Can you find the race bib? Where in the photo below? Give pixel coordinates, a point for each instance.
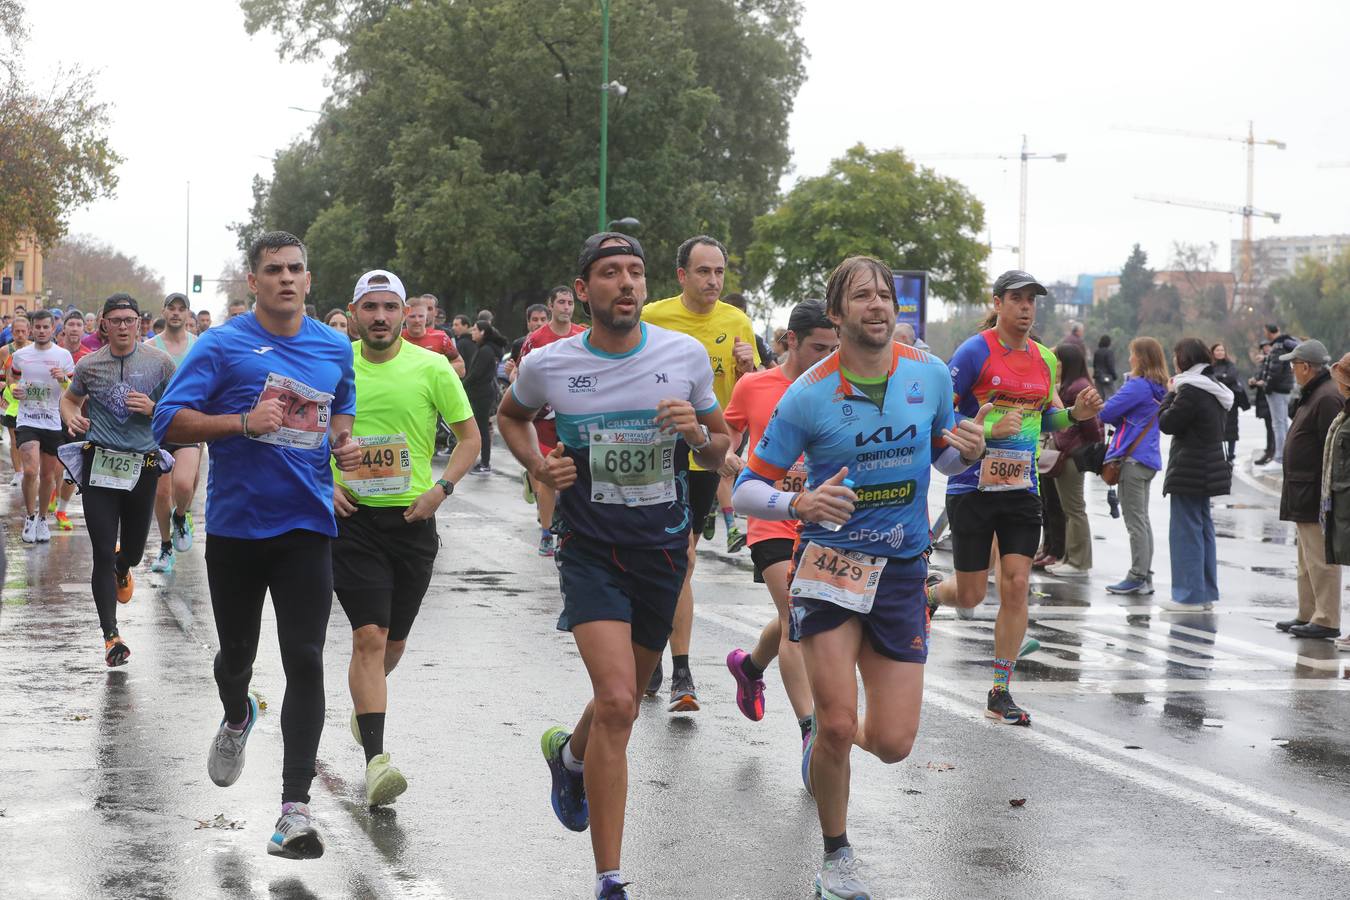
(633, 467)
(304, 423)
(37, 395)
(385, 467)
(1006, 470)
(115, 469)
(845, 578)
(794, 479)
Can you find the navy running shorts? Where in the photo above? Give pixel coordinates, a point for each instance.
(637, 585)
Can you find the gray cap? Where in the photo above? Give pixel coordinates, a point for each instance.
(1314, 352)
(1014, 279)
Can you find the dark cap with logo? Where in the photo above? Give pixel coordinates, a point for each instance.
(592, 251)
(1014, 279)
(120, 301)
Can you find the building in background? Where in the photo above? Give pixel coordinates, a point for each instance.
(23, 273)
(1191, 286)
(1276, 257)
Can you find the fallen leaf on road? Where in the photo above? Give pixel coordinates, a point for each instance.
(78, 717)
(219, 822)
(1021, 802)
(911, 791)
(941, 767)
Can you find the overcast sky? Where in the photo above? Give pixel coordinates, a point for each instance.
(194, 98)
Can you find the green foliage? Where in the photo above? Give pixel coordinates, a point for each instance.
(1315, 301)
(877, 203)
(464, 136)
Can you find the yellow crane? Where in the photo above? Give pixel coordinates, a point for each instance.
(1248, 210)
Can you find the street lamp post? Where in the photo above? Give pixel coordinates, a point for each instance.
(604, 111)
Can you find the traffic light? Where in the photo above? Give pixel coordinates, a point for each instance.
(196, 284)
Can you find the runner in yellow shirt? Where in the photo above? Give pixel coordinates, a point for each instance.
(726, 333)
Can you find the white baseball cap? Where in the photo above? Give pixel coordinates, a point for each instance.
(384, 281)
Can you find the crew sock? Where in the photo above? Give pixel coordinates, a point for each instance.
(748, 666)
(1003, 669)
(371, 726)
(833, 844)
(729, 516)
(680, 663)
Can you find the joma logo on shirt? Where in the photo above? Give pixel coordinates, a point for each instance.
(885, 435)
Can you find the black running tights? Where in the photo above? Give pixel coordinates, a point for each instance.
(297, 568)
(114, 517)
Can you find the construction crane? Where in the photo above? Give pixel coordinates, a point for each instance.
(1024, 156)
(1247, 210)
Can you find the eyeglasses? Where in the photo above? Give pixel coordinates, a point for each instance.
(121, 322)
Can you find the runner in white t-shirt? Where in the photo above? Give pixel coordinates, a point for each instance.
(39, 373)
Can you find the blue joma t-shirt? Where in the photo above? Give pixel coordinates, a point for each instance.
(255, 489)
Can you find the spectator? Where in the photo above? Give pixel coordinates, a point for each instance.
(1104, 367)
(1226, 374)
(1262, 407)
(485, 315)
(480, 383)
(1073, 380)
(1074, 335)
(337, 320)
(1133, 411)
(1278, 380)
(461, 327)
(1319, 582)
(1336, 479)
(1193, 413)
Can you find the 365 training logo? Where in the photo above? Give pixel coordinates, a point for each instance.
(582, 384)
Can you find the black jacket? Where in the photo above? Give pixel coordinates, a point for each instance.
(1196, 463)
(1279, 376)
(480, 377)
(1226, 374)
(1319, 404)
(1104, 366)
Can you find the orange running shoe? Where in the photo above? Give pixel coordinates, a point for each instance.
(63, 521)
(125, 585)
(115, 653)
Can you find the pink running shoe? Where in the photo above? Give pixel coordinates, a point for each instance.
(749, 694)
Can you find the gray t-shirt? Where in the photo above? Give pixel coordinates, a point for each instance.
(106, 379)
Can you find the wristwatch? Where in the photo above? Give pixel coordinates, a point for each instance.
(707, 439)
(447, 486)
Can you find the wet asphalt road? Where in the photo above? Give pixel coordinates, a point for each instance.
(1172, 755)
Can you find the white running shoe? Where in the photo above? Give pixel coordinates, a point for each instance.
(225, 760)
(17, 480)
(295, 836)
(1173, 606)
(840, 877)
(29, 529)
(43, 534)
(1064, 570)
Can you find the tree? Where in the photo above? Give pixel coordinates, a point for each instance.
(1123, 309)
(54, 154)
(461, 138)
(84, 271)
(875, 203)
(1315, 301)
(233, 282)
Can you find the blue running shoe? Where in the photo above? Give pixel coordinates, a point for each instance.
(613, 889)
(569, 788)
(806, 757)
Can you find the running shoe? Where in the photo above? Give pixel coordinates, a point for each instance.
(63, 521)
(931, 581)
(480, 469)
(1002, 709)
(51, 504)
(569, 788)
(164, 561)
(807, 746)
(683, 697)
(529, 488)
(115, 652)
(1129, 585)
(29, 535)
(749, 694)
(225, 760)
(1342, 644)
(356, 731)
(295, 836)
(42, 534)
(1029, 646)
(654, 683)
(1174, 606)
(710, 526)
(182, 532)
(546, 545)
(735, 540)
(126, 586)
(613, 889)
(840, 877)
(17, 480)
(384, 783)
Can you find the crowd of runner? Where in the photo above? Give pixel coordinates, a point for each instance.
(636, 434)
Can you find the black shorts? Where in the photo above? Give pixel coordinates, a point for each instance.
(48, 438)
(9, 421)
(174, 448)
(896, 626)
(382, 567)
(769, 553)
(702, 496)
(977, 516)
(640, 586)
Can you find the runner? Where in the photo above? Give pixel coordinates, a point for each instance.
(418, 330)
(173, 498)
(117, 464)
(72, 335)
(560, 305)
(20, 329)
(386, 509)
(38, 373)
(811, 338)
(632, 401)
(536, 317)
(1000, 499)
(728, 338)
(272, 391)
(857, 588)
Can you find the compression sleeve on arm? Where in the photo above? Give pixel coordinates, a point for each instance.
(1055, 420)
(760, 499)
(949, 462)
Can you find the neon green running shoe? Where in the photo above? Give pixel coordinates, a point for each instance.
(384, 783)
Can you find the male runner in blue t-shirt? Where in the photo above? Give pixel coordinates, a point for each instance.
(274, 393)
(877, 413)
